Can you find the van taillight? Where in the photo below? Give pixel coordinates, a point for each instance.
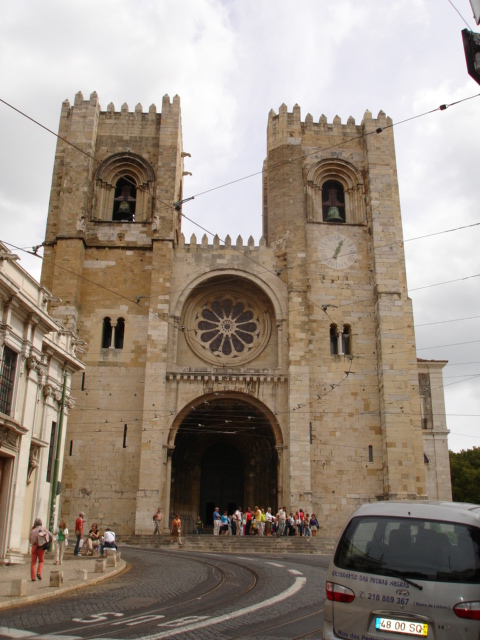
(468, 610)
(337, 593)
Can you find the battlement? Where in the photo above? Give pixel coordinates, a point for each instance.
(168, 107)
(219, 244)
(289, 124)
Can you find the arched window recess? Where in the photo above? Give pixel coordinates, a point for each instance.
(335, 193)
(125, 200)
(113, 333)
(340, 340)
(334, 339)
(124, 184)
(347, 340)
(333, 202)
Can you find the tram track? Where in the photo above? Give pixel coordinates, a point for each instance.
(184, 612)
(99, 630)
(311, 633)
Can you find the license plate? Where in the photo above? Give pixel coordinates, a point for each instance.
(402, 626)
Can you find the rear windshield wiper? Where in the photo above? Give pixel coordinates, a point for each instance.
(397, 574)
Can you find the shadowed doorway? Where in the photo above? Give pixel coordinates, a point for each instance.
(224, 455)
(221, 483)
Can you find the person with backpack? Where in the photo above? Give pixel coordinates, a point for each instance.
(40, 539)
(157, 519)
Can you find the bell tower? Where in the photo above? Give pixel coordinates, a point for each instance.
(116, 179)
(113, 223)
(332, 218)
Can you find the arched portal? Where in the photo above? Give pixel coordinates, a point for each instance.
(225, 455)
(221, 481)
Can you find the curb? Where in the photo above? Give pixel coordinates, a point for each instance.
(18, 601)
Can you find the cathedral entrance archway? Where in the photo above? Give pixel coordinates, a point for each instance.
(225, 455)
(221, 480)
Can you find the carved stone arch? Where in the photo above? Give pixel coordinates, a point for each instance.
(115, 168)
(334, 169)
(247, 441)
(228, 319)
(205, 400)
(200, 281)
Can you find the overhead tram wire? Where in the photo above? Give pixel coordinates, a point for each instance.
(155, 198)
(149, 311)
(402, 241)
(377, 131)
(85, 153)
(232, 278)
(442, 107)
(155, 315)
(451, 3)
(301, 293)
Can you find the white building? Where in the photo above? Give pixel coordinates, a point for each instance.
(36, 353)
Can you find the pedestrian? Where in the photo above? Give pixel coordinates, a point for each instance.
(108, 541)
(198, 526)
(257, 514)
(306, 525)
(314, 526)
(176, 530)
(93, 539)
(263, 522)
(238, 521)
(79, 532)
(275, 526)
(62, 541)
(268, 522)
(301, 515)
(216, 521)
(281, 519)
(157, 519)
(298, 524)
(291, 531)
(38, 536)
(248, 521)
(224, 521)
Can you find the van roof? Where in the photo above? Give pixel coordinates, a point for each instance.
(460, 512)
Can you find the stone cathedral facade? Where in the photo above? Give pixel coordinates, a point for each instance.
(225, 372)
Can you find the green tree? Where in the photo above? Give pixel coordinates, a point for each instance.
(465, 471)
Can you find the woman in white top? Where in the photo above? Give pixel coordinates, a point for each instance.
(62, 541)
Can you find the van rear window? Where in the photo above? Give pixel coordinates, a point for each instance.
(411, 548)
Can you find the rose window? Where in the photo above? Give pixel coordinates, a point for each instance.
(229, 328)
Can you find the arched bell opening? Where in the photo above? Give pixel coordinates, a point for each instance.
(225, 455)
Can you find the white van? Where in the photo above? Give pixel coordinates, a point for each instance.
(406, 570)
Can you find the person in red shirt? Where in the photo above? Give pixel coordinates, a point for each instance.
(79, 532)
(249, 521)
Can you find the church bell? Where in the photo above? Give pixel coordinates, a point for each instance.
(124, 206)
(333, 215)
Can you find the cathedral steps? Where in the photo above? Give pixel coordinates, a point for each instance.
(231, 544)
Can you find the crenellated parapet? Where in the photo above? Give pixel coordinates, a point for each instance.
(287, 124)
(217, 244)
(169, 107)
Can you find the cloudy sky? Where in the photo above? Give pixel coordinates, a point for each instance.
(232, 61)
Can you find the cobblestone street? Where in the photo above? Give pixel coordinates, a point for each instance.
(169, 594)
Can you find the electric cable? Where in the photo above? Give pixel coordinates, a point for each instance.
(451, 3)
(212, 234)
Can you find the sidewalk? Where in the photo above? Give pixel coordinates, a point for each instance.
(39, 590)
